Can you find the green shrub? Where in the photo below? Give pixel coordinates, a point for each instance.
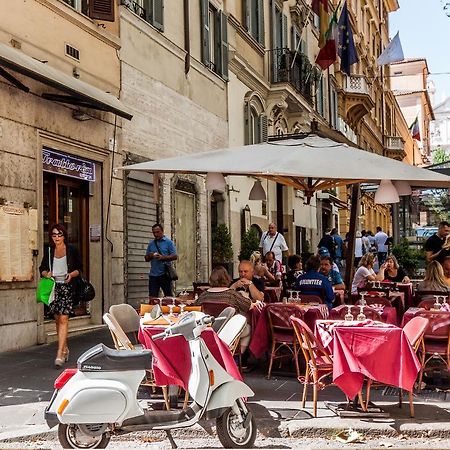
(408, 257)
(222, 248)
(249, 243)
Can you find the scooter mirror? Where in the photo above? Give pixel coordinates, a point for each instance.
(156, 312)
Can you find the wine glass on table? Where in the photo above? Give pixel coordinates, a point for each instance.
(349, 316)
(437, 303)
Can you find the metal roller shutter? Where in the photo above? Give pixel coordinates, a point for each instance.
(140, 216)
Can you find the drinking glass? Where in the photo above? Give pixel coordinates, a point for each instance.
(349, 316)
(437, 304)
(171, 306)
(361, 316)
(182, 306)
(290, 295)
(363, 301)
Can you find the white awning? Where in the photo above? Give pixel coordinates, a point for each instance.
(310, 163)
(80, 92)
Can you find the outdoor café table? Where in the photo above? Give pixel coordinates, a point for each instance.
(370, 349)
(260, 340)
(413, 311)
(171, 357)
(388, 313)
(272, 294)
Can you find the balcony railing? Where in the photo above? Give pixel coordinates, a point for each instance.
(394, 143)
(135, 7)
(356, 84)
(294, 68)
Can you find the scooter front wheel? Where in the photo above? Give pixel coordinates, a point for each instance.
(72, 436)
(235, 432)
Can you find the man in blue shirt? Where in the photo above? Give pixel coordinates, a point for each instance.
(160, 252)
(314, 283)
(339, 247)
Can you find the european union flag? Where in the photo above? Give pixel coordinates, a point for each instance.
(346, 45)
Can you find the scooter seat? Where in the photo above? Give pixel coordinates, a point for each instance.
(103, 358)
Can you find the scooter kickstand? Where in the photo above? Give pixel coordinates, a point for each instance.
(171, 440)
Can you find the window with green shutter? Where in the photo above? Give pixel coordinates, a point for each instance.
(214, 38)
(152, 11)
(254, 19)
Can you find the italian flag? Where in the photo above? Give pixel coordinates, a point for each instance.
(327, 53)
(415, 130)
(320, 7)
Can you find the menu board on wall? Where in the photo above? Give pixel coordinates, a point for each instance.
(16, 261)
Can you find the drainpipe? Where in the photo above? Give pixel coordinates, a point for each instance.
(187, 43)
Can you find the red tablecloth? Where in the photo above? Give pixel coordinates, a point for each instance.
(413, 311)
(388, 313)
(379, 352)
(171, 360)
(259, 343)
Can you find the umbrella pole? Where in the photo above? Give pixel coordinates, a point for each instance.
(351, 237)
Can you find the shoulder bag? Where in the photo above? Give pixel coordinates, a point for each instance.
(170, 270)
(84, 291)
(45, 291)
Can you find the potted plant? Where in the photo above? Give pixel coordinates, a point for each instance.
(408, 257)
(222, 248)
(249, 243)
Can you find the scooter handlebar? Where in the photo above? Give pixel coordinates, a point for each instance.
(184, 328)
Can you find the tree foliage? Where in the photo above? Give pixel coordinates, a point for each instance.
(407, 257)
(222, 248)
(249, 243)
(440, 156)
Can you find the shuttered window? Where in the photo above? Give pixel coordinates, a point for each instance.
(101, 10)
(254, 19)
(214, 39)
(255, 126)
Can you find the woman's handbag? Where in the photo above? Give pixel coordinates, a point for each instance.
(45, 291)
(84, 291)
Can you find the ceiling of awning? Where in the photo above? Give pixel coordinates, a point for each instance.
(77, 92)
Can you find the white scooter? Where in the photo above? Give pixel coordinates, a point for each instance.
(100, 397)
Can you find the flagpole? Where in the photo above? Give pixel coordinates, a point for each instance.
(329, 95)
(308, 12)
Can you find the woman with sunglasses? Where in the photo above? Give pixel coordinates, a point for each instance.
(64, 265)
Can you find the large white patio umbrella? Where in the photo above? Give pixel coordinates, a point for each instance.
(310, 162)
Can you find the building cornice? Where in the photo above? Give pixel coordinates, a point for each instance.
(81, 21)
(247, 75)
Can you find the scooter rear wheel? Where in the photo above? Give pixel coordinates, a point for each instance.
(232, 433)
(71, 436)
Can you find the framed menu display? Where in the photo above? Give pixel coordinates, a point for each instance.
(16, 261)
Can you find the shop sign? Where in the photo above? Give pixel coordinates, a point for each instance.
(67, 165)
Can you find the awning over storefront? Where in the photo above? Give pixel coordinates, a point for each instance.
(79, 92)
(310, 162)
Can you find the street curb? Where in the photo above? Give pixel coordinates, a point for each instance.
(284, 429)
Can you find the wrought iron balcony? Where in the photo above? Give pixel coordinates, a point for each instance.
(294, 68)
(135, 7)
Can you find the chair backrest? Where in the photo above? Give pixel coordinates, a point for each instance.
(120, 339)
(312, 348)
(415, 330)
(439, 325)
(200, 287)
(232, 330)
(375, 292)
(427, 303)
(128, 319)
(154, 300)
(370, 313)
(214, 308)
(376, 301)
(279, 315)
(227, 314)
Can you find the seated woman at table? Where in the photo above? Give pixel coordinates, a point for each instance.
(365, 273)
(295, 269)
(219, 291)
(273, 278)
(391, 271)
(259, 268)
(434, 279)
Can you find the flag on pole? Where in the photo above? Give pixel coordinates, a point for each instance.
(327, 54)
(346, 45)
(320, 7)
(392, 53)
(415, 130)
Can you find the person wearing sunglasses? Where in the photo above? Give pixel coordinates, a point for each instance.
(62, 263)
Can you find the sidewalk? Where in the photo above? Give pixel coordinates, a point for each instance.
(26, 385)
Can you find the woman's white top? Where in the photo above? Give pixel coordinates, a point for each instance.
(360, 276)
(60, 269)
